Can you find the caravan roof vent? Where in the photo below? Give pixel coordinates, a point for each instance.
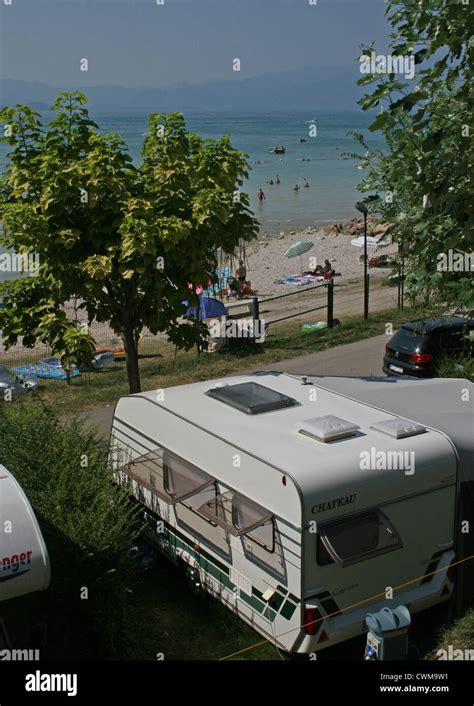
(328, 428)
(251, 398)
(398, 428)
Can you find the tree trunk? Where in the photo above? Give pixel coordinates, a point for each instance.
(131, 357)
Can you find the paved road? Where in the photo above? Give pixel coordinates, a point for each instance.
(351, 360)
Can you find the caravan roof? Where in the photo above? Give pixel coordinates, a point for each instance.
(287, 437)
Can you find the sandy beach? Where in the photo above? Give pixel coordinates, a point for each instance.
(267, 262)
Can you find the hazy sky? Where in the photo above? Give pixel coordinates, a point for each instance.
(138, 42)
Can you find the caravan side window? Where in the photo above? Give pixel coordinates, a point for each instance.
(356, 538)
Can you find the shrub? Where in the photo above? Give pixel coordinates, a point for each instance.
(88, 525)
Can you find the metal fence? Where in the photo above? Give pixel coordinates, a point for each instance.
(329, 306)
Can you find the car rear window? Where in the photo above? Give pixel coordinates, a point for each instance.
(408, 339)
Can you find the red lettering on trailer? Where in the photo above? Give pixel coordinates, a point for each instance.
(12, 563)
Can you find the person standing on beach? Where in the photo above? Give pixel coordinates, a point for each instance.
(241, 276)
(261, 195)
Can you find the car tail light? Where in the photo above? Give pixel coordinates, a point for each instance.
(387, 349)
(421, 358)
(311, 623)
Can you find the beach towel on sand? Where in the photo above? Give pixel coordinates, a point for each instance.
(300, 280)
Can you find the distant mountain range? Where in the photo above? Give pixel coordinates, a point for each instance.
(307, 88)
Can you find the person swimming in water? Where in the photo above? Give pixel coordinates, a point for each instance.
(306, 185)
(277, 180)
(261, 195)
(296, 187)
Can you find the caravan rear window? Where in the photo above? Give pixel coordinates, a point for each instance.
(356, 539)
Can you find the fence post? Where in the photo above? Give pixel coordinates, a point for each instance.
(330, 303)
(256, 309)
(366, 297)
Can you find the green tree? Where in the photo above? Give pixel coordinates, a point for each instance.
(422, 182)
(124, 240)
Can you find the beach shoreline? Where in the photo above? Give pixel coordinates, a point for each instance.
(267, 263)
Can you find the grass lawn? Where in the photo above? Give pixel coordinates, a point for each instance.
(460, 635)
(172, 620)
(160, 369)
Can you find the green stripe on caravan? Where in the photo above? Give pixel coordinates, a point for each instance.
(220, 572)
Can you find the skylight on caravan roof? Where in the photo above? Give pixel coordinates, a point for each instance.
(328, 428)
(251, 398)
(398, 428)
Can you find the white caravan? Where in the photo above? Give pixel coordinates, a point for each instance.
(297, 507)
(24, 561)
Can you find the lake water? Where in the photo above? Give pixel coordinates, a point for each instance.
(332, 180)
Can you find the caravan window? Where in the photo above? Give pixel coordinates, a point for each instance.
(189, 517)
(356, 538)
(182, 479)
(172, 478)
(240, 516)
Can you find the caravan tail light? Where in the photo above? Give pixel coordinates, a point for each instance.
(421, 358)
(311, 623)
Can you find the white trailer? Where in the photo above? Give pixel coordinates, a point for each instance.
(297, 507)
(24, 561)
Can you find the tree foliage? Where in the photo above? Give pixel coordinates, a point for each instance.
(125, 240)
(422, 182)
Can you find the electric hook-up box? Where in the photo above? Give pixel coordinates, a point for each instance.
(387, 636)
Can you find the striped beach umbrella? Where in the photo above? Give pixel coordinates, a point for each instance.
(299, 248)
